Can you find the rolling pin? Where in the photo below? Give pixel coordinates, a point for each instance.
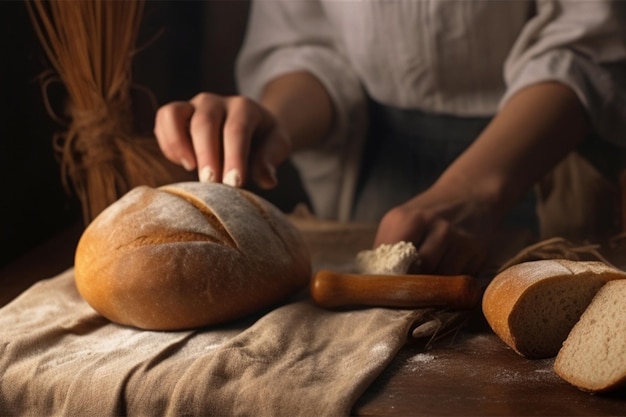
(331, 289)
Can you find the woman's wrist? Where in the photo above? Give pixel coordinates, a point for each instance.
(485, 195)
(537, 128)
(302, 108)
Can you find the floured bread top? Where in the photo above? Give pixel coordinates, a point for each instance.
(188, 255)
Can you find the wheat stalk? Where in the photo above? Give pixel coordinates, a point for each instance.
(90, 45)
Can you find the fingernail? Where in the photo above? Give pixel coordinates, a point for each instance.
(207, 174)
(186, 164)
(232, 178)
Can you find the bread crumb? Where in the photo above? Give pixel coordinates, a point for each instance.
(387, 259)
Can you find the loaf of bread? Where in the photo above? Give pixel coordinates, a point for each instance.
(189, 255)
(532, 306)
(593, 356)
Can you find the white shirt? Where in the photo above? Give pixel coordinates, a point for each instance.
(460, 57)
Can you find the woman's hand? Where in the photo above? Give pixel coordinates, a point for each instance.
(227, 139)
(453, 222)
(450, 231)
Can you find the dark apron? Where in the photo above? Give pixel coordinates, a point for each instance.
(407, 150)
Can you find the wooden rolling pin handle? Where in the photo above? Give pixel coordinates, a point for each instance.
(334, 289)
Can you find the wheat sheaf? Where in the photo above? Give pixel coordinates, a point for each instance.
(90, 45)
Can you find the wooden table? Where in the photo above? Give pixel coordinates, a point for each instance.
(467, 373)
(475, 373)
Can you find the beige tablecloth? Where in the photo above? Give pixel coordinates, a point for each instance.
(58, 357)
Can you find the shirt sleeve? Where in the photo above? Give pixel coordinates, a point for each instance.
(581, 44)
(285, 36)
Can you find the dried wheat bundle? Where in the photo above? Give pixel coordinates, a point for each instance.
(90, 44)
(557, 248)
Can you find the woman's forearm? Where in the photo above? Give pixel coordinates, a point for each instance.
(538, 126)
(301, 106)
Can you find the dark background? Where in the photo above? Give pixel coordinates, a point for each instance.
(185, 47)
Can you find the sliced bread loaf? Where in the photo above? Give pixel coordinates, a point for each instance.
(532, 306)
(593, 356)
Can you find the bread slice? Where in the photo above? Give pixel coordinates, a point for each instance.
(532, 306)
(593, 356)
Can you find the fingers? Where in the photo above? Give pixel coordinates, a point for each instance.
(430, 236)
(227, 139)
(450, 251)
(271, 153)
(206, 135)
(244, 118)
(443, 248)
(253, 144)
(435, 245)
(171, 129)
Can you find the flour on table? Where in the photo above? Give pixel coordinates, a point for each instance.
(415, 362)
(387, 259)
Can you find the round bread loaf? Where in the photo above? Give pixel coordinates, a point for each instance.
(532, 306)
(188, 255)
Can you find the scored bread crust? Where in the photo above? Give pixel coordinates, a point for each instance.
(513, 300)
(188, 255)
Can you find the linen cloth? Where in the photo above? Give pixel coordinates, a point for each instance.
(59, 357)
(462, 58)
